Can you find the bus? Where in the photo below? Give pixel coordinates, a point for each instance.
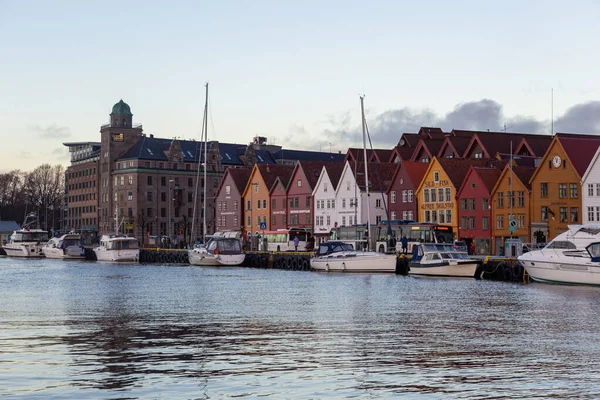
(283, 239)
(415, 232)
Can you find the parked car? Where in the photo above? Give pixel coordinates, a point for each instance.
(460, 246)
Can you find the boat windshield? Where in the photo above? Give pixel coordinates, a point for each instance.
(68, 243)
(29, 237)
(561, 244)
(121, 244)
(435, 247)
(328, 248)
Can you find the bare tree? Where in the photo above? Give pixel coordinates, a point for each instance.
(142, 222)
(186, 225)
(12, 201)
(44, 188)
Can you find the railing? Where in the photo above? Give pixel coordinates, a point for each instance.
(109, 125)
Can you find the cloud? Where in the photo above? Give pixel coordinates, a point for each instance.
(52, 131)
(386, 128)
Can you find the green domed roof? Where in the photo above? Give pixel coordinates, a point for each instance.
(121, 108)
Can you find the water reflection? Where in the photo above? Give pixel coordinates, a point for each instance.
(130, 331)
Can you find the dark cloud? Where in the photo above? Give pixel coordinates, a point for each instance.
(581, 118)
(52, 131)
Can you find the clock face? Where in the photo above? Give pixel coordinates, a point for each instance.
(556, 161)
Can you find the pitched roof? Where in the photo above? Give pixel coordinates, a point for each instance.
(489, 176)
(8, 226)
(415, 170)
(457, 169)
(538, 144)
(410, 140)
(524, 174)
(239, 176)
(312, 170)
(460, 143)
(383, 154)
(334, 172)
(430, 132)
(580, 149)
(380, 175)
(270, 173)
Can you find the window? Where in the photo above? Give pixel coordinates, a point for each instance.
(448, 199)
(130, 196)
(573, 191)
(471, 204)
(307, 201)
(149, 180)
(190, 197)
(248, 206)
(299, 183)
(392, 198)
(485, 223)
(273, 204)
(122, 180)
(248, 222)
(441, 216)
(590, 213)
(471, 222)
(377, 219)
(255, 187)
(258, 204)
(590, 191)
(427, 216)
(434, 216)
(436, 176)
(273, 220)
(521, 199)
(426, 197)
(325, 186)
(150, 212)
(441, 195)
(404, 196)
(544, 215)
(297, 203)
(463, 204)
(499, 222)
(343, 203)
(163, 181)
(410, 196)
(562, 190)
(163, 212)
(485, 204)
(130, 179)
(343, 220)
(500, 199)
(163, 196)
(544, 189)
(149, 196)
(433, 195)
(574, 214)
(563, 213)
(521, 220)
(378, 203)
(235, 205)
(463, 222)
(393, 215)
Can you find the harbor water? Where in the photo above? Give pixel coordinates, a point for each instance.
(89, 330)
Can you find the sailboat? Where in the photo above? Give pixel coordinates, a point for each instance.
(215, 250)
(339, 256)
(117, 247)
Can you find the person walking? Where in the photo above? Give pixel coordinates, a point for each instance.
(404, 242)
(296, 241)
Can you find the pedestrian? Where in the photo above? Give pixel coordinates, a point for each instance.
(404, 242)
(472, 248)
(296, 241)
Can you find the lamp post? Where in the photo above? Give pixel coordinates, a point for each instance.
(169, 213)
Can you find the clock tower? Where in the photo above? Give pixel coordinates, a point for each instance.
(118, 136)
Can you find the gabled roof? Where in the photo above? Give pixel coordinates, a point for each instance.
(383, 155)
(334, 172)
(302, 155)
(538, 144)
(430, 146)
(580, 149)
(9, 226)
(380, 175)
(414, 170)
(312, 170)
(523, 174)
(489, 176)
(410, 140)
(430, 132)
(457, 169)
(239, 176)
(270, 172)
(357, 154)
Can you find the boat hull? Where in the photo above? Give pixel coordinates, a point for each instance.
(206, 259)
(24, 250)
(70, 254)
(117, 255)
(357, 262)
(460, 270)
(585, 273)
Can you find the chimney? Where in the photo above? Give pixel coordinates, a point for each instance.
(151, 135)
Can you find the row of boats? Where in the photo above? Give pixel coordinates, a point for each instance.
(573, 257)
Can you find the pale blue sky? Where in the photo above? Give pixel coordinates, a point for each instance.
(288, 71)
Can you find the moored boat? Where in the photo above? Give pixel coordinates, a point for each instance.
(573, 257)
(441, 259)
(26, 243)
(340, 256)
(117, 248)
(66, 247)
(219, 251)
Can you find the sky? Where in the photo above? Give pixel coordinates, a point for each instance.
(292, 71)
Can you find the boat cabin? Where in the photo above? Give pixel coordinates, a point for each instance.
(432, 252)
(333, 247)
(29, 236)
(224, 245)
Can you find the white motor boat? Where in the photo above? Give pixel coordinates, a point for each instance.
(26, 243)
(573, 257)
(66, 247)
(117, 248)
(441, 259)
(340, 256)
(219, 251)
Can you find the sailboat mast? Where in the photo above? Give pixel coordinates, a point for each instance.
(364, 134)
(205, 127)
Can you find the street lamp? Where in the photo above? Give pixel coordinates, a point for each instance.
(169, 214)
